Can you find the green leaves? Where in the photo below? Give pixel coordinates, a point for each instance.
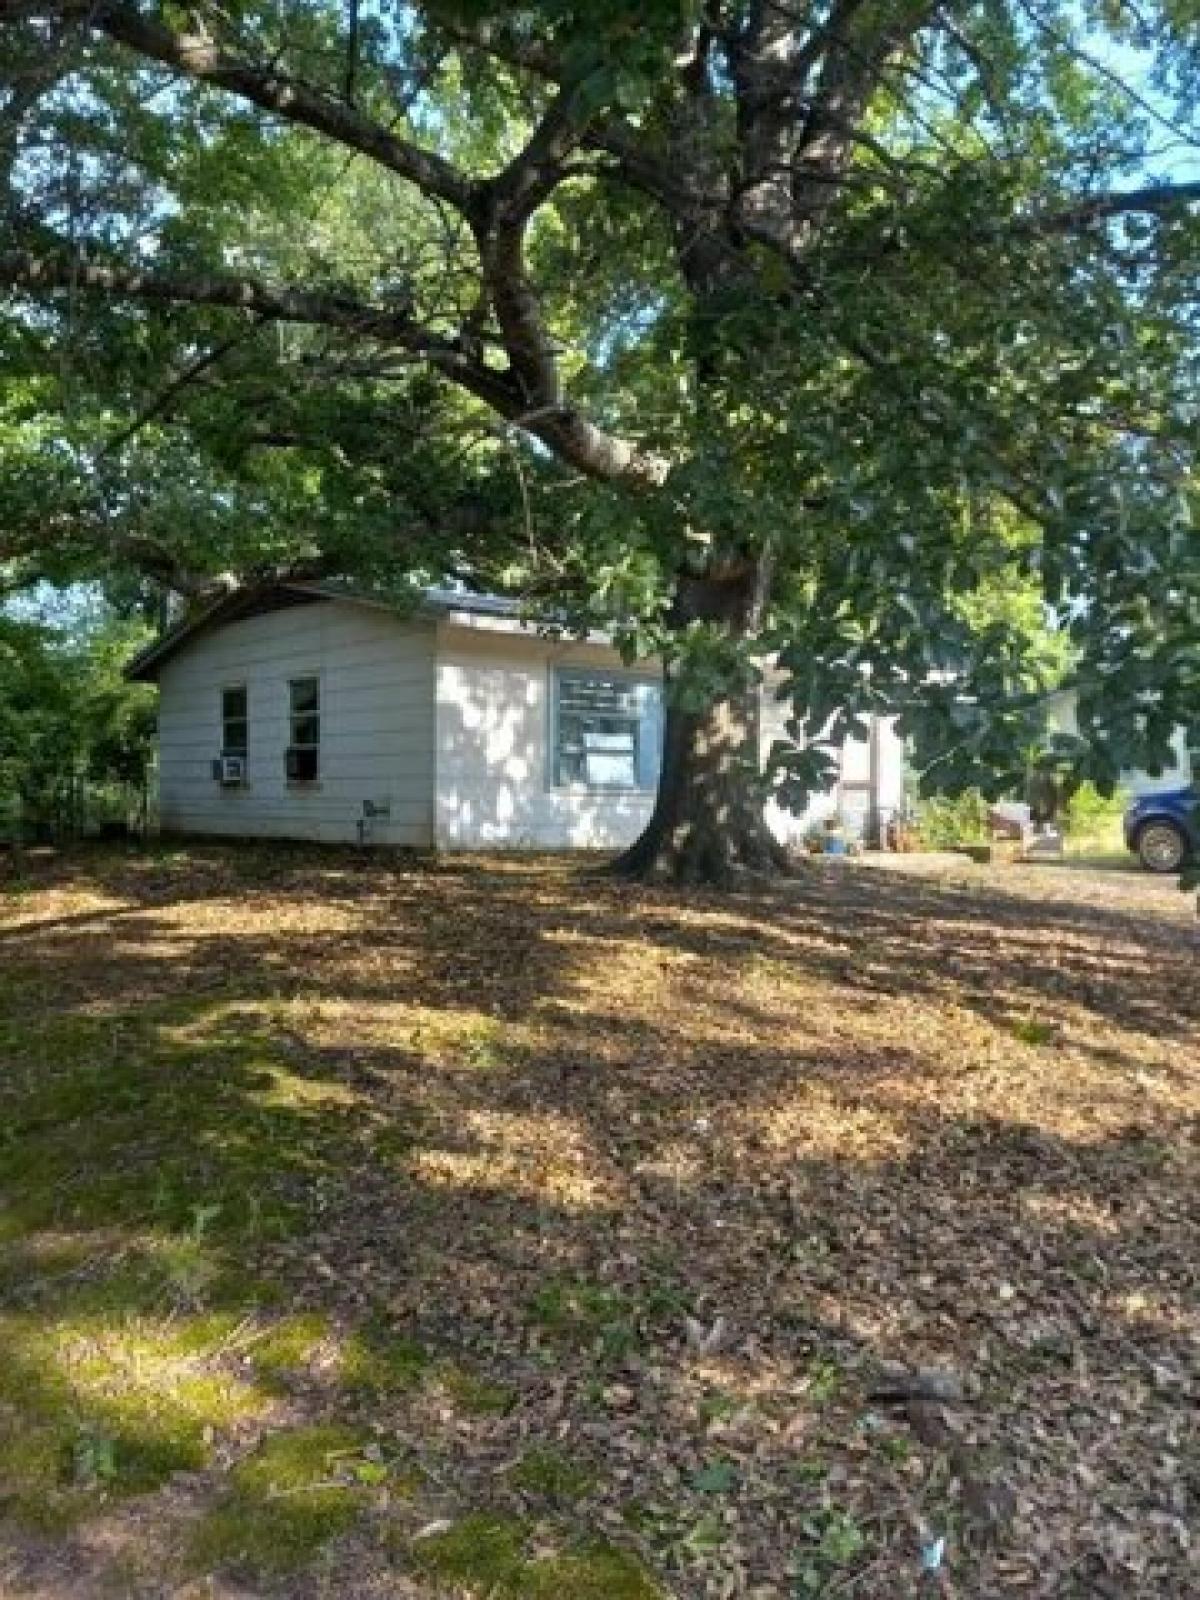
(67, 715)
(946, 397)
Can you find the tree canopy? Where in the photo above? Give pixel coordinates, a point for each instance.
(858, 333)
(75, 738)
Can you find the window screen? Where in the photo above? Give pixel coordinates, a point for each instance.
(235, 721)
(304, 727)
(609, 730)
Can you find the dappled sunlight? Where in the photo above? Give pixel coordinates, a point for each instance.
(471, 1162)
(543, 1157)
(288, 1089)
(822, 1125)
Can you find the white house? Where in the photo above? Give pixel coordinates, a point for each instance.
(1062, 712)
(310, 711)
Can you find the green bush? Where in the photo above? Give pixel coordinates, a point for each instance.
(1090, 812)
(944, 821)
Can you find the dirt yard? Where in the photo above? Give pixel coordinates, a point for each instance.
(372, 1228)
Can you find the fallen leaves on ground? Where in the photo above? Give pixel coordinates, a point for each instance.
(834, 1240)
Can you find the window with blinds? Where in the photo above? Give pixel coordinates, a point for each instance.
(608, 730)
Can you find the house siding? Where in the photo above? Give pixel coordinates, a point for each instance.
(449, 725)
(377, 683)
(1061, 708)
(494, 748)
(870, 773)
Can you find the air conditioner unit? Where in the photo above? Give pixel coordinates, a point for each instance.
(231, 770)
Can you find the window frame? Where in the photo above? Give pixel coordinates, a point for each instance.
(295, 716)
(226, 748)
(558, 670)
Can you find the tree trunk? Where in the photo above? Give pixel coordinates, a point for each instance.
(708, 825)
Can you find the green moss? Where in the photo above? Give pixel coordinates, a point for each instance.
(184, 1117)
(595, 1572)
(31, 1265)
(289, 1343)
(204, 1334)
(167, 1426)
(95, 1404)
(294, 1495)
(483, 1045)
(377, 1360)
(473, 1393)
(1031, 1030)
(32, 1488)
(586, 1313)
(482, 1553)
(551, 1473)
(486, 1556)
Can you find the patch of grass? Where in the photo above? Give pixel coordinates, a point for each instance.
(484, 1046)
(587, 1314)
(822, 1381)
(716, 1477)
(482, 1553)
(295, 1494)
(35, 1489)
(594, 1572)
(549, 1472)
(835, 1541)
(95, 1405)
(472, 1392)
(377, 1360)
(1032, 1030)
(186, 1127)
(486, 1556)
(289, 1343)
(719, 1407)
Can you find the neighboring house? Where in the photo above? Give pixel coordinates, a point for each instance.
(311, 711)
(1061, 707)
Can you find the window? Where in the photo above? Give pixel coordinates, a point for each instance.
(235, 721)
(304, 728)
(608, 731)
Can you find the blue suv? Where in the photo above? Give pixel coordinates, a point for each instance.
(1163, 830)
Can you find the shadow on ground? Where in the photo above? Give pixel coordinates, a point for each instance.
(345, 1200)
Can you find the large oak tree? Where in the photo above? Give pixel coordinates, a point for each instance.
(855, 332)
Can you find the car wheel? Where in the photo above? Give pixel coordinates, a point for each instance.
(1161, 847)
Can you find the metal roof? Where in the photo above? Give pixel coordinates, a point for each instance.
(252, 600)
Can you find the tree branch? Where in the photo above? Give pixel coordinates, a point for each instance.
(197, 56)
(167, 395)
(559, 425)
(1154, 199)
(500, 220)
(636, 162)
(533, 173)
(27, 269)
(40, 274)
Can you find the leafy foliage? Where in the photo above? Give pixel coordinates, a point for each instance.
(70, 727)
(601, 303)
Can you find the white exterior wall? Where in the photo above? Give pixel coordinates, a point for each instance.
(1061, 707)
(494, 783)
(448, 725)
(871, 774)
(494, 770)
(377, 676)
